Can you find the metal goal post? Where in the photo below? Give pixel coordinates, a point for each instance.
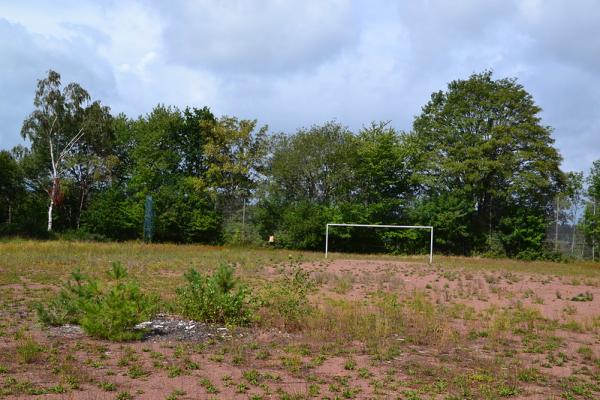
(430, 228)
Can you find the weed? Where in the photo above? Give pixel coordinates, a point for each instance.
(107, 386)
(318, 360)
(587, 296)
(529, 375)
(252, 376)
(507, 391)
(285, 301)
(343, 283)
(175, 394)
(227, 380)
(573, 325)
(208, 386)
(570, 310)
(364, 373)
(191, 365)
(263, 355)
(350, 364)
(291, 363)
(586, 353)
(238, 359)
(28, 350)
(242, 388)
(124, 396)
(174, 371)
(136, 371)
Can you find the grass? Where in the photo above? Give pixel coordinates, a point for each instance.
(28, 350)
(472, 329)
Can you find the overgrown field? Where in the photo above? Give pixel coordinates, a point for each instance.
(291, 325)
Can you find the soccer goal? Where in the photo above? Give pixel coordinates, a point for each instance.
(430, 228)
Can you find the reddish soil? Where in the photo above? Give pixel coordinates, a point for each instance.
(161, 368)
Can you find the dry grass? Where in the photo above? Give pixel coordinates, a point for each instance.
(461, 328)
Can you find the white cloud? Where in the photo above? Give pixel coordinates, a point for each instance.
(292, 64)
(257, 36)
(26, 57)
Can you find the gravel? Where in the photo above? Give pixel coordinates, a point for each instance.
(172, 328)
(163, 328)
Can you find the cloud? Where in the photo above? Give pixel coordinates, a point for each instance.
(292, 64)
(26, 57)
(564, 31)
(257, 36)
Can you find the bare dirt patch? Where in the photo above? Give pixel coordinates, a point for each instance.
(380, 329)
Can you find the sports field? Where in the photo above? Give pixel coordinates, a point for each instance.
(351, 326)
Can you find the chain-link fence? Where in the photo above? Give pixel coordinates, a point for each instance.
(570, 242)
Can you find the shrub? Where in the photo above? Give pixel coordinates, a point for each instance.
(285, 301)
(108, 312)
(216, 298)
(237, 234)
(68, 306)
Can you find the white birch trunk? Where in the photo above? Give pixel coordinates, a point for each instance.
(50, 215)
(54, 177)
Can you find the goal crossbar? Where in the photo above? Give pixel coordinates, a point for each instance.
(430, 228)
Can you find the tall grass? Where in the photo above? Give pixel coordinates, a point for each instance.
(381, 319)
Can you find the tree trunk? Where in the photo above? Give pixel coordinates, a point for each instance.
(9, 214)
(53, 193)
(81, 201)
(556, 228)
(574, 231)
(50, 215)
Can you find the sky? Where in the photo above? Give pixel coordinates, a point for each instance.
(292, 64)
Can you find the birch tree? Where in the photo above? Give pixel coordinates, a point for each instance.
(54, 128)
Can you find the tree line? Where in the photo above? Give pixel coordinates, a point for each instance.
(478, 165)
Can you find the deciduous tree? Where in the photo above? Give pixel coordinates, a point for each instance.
(483, 141)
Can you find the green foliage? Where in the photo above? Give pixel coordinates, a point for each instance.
(302, 225)
(478, 165)
(105, 311)
(482, 143)
(11, 185)
(450, 215)
(68, 306)
(216, 298)
(113, 215)
(310, 173)
(523, 234)
(285, 301)
(235, 233)
(591, 217)
(28, 350)
(587, 296)
(71, 138)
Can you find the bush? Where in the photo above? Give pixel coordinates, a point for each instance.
(285, 301)
(108, 312)
(237, 234)
(216, 298)
(68, 306)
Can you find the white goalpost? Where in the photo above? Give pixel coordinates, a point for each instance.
(430, 228)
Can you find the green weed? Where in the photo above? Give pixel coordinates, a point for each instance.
(216, 298)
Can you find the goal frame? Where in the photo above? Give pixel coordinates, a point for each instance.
(430, 228)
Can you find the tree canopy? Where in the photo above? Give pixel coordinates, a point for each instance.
(478, 164)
